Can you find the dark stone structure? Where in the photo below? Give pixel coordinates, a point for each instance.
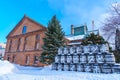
(117, 40)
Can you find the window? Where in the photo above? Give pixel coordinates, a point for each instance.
(19, 42)
(37, 45)
(26, 39)
(36, 59)
(14, 58)
(37, 42)
(24, 30)
(38, 37)
(10, 45)
(25, 43)
(8, 58)
(27, 60)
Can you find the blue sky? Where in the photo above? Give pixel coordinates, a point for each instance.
(76, 12)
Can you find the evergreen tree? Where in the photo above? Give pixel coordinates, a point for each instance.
(117, 55)
(93, 39)
(53, 40)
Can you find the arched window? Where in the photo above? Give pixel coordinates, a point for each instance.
(24, 30)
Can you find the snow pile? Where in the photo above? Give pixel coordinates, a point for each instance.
(9, 71)
(7, 67)
(47, 68)
(28, 67)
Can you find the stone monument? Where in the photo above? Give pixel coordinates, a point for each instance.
(90, 58)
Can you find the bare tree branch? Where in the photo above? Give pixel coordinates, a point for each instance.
(113, 22)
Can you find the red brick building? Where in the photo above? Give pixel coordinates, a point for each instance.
(24, 43)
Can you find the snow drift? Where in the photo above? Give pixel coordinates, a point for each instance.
(9, 71)
(6, 67)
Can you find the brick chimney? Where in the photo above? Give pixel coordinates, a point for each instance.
(72, 29)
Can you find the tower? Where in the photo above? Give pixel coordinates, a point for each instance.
(93, 25)
(72, 29)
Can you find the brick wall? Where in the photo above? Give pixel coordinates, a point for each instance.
(22, 51)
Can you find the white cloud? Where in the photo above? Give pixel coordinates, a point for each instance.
(79, 12)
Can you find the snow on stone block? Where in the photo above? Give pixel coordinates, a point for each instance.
(91, 59)
(72, 50)
(79, 49)
(99, 58)
(83, 59)
(104, 48)
(109, 58)
(96, 68)
(116, 68)
(63, 59)
(57, 59)
(88, 68)
(69, 59)
(66, 67)
(86, 49)
(72, 67)
(60, 51)
(94, 48)
(106, 68)
(75, 59)
(60, 67)
(80, 68)
(65, 50)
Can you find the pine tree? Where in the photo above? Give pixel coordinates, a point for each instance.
(53, 40)
(93, 39)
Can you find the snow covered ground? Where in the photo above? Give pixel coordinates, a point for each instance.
(10, 71)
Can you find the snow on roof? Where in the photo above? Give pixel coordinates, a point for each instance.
(75, 37)
(74, 43)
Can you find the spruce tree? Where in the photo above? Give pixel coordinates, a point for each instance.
(53, 40)
(93, 39)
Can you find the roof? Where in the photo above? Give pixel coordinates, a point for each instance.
(82, 25)
(75, 37)
(25, 17)
(93, 31)
(74, 43)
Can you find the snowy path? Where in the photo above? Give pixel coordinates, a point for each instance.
(61, 75)
(15, 72)
(57, 77)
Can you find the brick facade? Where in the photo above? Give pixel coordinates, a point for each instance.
(24, 49)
